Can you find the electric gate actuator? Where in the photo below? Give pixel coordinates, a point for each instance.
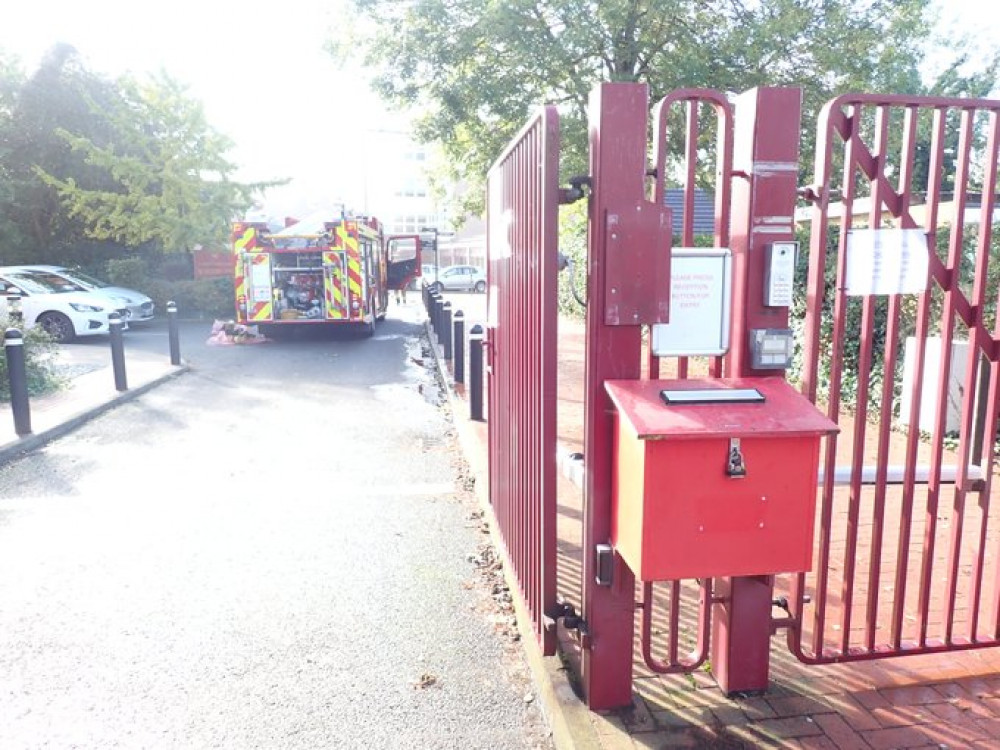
(714, 477)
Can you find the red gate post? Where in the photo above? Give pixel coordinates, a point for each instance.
(766, 156)
(618, 138)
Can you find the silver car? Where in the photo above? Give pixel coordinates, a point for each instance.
(459, 279)
(138, 307)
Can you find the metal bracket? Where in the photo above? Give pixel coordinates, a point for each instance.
(781, 603)
(604, 564)
(571, 621)
(637, 239)
(735, 465)
(575, 191)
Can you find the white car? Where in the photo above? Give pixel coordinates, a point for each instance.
(138, 306)
(459, 279)
(63, 308)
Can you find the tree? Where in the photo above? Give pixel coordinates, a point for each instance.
(167, 178)
(474, 69)
(60, 94)
(11, 80)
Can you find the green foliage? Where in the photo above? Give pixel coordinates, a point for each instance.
(573, 246)
(133, 273)
(93, 168)
(169, 181)
(853, 369)
(473, 71)
(60, 94)
(39, 360)
(195, 298)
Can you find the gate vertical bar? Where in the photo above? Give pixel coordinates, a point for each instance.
(520, 349)
(941, 593)
(766, 152)
(618, 139)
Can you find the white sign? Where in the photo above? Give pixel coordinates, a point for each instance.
(886, 261)
(700, 290)
(260, 281)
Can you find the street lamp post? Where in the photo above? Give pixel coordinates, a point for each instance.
(433, 231)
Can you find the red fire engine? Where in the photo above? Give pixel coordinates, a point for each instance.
(336, 272)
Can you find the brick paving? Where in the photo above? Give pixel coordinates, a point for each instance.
(949, 700)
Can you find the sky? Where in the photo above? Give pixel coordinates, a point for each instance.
(263, 77)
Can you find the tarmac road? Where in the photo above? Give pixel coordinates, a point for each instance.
(275, 550)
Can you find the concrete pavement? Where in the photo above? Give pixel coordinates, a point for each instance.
(211, 609)
(943, 701)
(90, 391)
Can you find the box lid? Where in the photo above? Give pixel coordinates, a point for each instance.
(783, 412)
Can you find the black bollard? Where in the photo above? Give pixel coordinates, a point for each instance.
(430, 300)
(17, 375)
(436, 302)
(476, 373)
(458, 340)
(446, 330)
(118, 351)
(175, 341)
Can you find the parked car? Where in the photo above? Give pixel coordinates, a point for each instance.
(138, 306)
(63, 308)
(459, 279)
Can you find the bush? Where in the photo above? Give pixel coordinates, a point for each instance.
(573, 246)
(195, 298)
(133, 273)
(39, 360)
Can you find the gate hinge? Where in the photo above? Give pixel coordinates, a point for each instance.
(781, 602)
(816, 193)
(575, 191)
(571, 621)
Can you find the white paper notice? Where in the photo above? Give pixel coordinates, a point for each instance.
(886, 261)
(700, 291)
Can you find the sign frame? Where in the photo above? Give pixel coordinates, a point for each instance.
(701, 277)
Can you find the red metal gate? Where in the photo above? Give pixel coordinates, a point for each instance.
(754, 156)
(908, 547)
(892, 489)
(522, 257)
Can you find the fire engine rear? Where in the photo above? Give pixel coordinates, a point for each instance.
(337, 273)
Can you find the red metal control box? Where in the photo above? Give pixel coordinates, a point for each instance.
(714, 477)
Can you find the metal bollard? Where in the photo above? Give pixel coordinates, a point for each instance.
(174, 335)
(17, 375)
(14, 315)
(118, 351)
(446, 330)
(476, 373)
(436, 302)
(458, 340)
(430, 300)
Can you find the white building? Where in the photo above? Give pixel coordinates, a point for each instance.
(398, 192)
